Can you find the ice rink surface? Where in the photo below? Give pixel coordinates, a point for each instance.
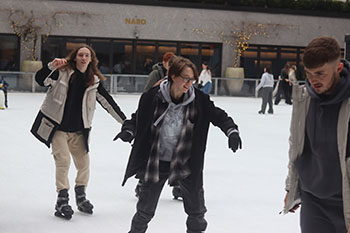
(243, 191)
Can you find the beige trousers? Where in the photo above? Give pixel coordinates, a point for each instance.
(64, 145)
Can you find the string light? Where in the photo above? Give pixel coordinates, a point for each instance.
(240, 36)
(28, 28)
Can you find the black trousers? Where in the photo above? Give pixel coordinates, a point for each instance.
(321, 216)
(283, 90)
(193, 200)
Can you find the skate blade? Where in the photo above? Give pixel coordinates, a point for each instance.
(60, 215)
(85, 211)
(178, 199)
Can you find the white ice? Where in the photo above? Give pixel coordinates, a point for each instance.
(243, 191)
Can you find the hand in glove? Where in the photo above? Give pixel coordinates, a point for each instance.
(234, 141)
(200, 85)
(125, 135)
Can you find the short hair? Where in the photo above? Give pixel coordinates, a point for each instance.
(178, 64)
(320, 51)
(167, 56)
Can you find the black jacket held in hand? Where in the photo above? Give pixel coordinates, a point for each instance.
(143, 119)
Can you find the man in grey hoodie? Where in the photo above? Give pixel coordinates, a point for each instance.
(319, 167)
(171, 129)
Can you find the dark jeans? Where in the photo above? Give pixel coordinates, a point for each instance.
(321, 216)
(266, 94)
(193, 200)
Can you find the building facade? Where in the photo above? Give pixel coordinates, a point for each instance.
(129, 38)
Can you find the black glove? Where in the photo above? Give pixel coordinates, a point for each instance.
(234, 141)
(125, 135)
(200, 85)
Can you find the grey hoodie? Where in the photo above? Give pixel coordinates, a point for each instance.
(172, 121)
(319, 165)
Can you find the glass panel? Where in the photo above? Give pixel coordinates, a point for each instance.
(275, 57)
(270, 49)
(73, 43)
(165, 47)
(251, 54)
(9, 56)
(53, 47)
(102, 49)
(289, 49)
(268, 52)
(211, 55)
(60, 47)
(122, 57)
(145, 57)
(250, 67)
(252, 48)
(269, 55)
(191, 51)
(289, 56)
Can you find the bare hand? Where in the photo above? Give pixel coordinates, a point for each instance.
(59, 62)
(294, 208)
(158, 82)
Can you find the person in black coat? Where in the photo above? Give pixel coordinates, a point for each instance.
(170, 128)
(3, 86)
(284, 86)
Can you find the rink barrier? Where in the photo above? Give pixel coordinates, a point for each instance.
(130, 84)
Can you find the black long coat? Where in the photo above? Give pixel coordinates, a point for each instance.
(143, 118)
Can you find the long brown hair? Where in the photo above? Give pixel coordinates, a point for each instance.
(286, 68)
(92, 67)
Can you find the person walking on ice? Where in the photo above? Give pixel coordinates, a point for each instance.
(266, 84)
(319, 169)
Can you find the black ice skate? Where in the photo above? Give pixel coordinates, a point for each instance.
(63, 209)
(83, 204)
(177, 192)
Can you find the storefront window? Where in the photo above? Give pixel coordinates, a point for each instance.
(122, 57)
(73, 43)
(211, 53)
(102, 49)
(191, 51)
(165, 47)
(9, 53)
(59, 47)
(134, 56)
(249, 61)
(145, 57)
(256, 57)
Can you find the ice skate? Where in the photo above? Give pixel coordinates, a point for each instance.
(63, 209)
(83, 204)
(177, 192)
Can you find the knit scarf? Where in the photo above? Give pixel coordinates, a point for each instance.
(179, 167)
